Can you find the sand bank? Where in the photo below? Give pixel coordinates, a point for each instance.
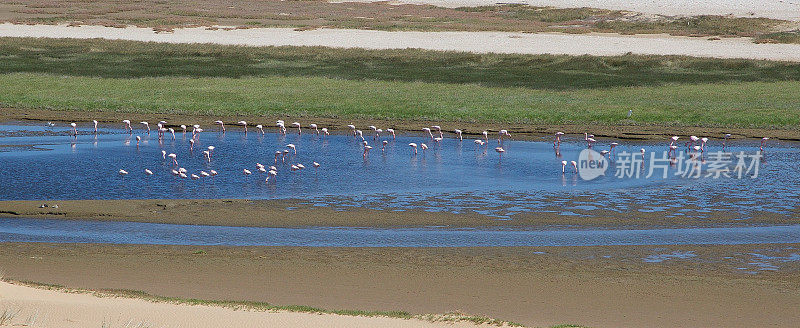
(778, 9)
(296, 213)
(53, 308)
(542, 286)
(477, 42)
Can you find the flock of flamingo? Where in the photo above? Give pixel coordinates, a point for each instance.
(696, 146)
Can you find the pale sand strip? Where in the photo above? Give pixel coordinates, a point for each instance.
(778, 9)
(48, 308)
(478, 42)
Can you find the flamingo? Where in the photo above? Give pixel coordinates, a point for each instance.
(191, 144)
(174, 172)
(183, 128)
(325, 131)
(486, 136)
(281, 127)
(138, 139)
(207, 155)
(211, 151)
(213, 173)
(300, 166)
(260, 128)
(182, 175)
(391, 131)
(314, 126)
(384, 145)
(297, 125)
(429, 132)
(563, 167)
(574, 165)
(95, 126)
(557, 141)
(501, 134)
(413, 145)
(360, 134)
(353, 128)
(246, 172)
(148, 172)
(373, 128)
(725, 141)
(612, 145)
(128, 126)
(315, 164)
(244, 124)
(174, 159)
(123, 173)
(674, 139)
(590, 142)
(438, 129)
(692, 140)
(458, 133)
(478, 143)
(378, 133)
(172, 131)
(500, 151)
(292, 147)
(74, 129)
(221, 126)
(424, 147)
(642, 151)
(763, 142)
(146, 125)
(195, 176)
(366, 150)
(703, 143)
(164, 154)
(204, 174)
(277, 153)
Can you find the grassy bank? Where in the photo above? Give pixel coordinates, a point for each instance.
(123, 76)
(311, 14)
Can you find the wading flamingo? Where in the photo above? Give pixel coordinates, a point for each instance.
(174, 159)
(366, 150)
(221, 126)
(458, 133)
(486, 136)
(500, 151)
(297, 125)
(557, 141)
(147, 126)
(325, 132)
(314, 126)
(563, 167)
(123, 173)
(384, 145)
(74, 129)
(260, 128)
(244, 124)
(128, 126)
(148, 172)
(95, 126)
(246, 172)
(764, 142)
(138, 139)
(725, 141)
(574, 165)
(414, 146)
(352, 128)
(292, 147)
(172, 131)
(391, 131)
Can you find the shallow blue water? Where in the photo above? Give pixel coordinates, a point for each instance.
(455, 176)
(66, 231)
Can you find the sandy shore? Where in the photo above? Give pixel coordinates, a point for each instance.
(296, 213)
(778, 9)
(593, 286)
(61, 309)
(478, 42)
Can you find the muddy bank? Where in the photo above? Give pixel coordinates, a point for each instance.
(541, 286)
(628, 131)
(297, 213)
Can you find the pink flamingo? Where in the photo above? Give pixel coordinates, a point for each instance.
(325, 132)
(174, 159)
(246, 172)
(557, 141)
(500, 151)
(703, 143)
(763, 143)
(172, 131)
(260, 128)
(148, 172)
(128, 126)
(384, 145)
(315, 165)
(221, 126)
(297, 125)
(674, 139)
(281, 127)
(95, 126)
(414, 146)
(486, 136)
(244, 124)
(391, 131)
(458, 133)
(211, 151)
(366, 150)
(574, 165)
(374, 131)
(146, 125)
(429, 132)
(424, 147)
(164, 154)
(292, 147)
(138, 139)
(123, 173)
(612, 145)
(74, 129)
(277, 153)
(314, 126)
(563, 167)
(360, 134)
(438, 129)
(183, 128)
(725, 141)
(353, 128)
(191, 144)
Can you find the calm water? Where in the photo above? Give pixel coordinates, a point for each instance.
(43, 163)
(66, 231)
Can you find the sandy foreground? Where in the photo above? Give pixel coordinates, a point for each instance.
(478, 42)
(52, 308)
(778, 9)
(535, 286)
